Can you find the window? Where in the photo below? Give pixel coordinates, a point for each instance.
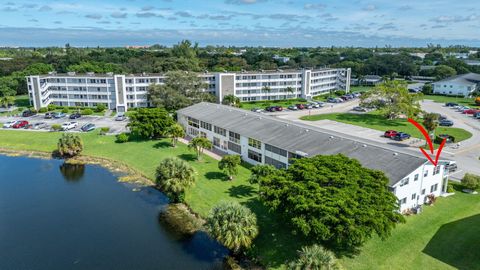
(425, 174)
(404, 182)
(254, 143)
(220, 131)
(403, 201)
(192, 122)
(275, 150)
(206, 125)
(254, 156)
(235, 147)
(234, 137)
(416, 177)
(216, 141)
(203, 134)
(277, 164)
(433, 188)
(414, 196)
(436, 170)
(192, 131)
(423, 191)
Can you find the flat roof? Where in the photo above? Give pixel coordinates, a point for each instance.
(296, 137)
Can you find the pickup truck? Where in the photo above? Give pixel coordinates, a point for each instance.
(69, 125)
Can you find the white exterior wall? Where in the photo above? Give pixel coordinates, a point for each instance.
(424, 183)
(452, 88)
(79, 90)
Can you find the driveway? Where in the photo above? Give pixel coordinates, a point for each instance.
(99, 121)
(328, 108)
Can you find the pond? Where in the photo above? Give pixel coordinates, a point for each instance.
(57, 216)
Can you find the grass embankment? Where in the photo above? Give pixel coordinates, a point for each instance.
(376, 121)
(442, 237)
(262, 104)
(273, 246)
(470, 102)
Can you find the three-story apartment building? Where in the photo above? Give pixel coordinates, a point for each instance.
(121, 92)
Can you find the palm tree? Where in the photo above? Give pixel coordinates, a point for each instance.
(5, 101)
(229, 165)
(199, 144)
(231, 100)
(290, 90)
(175, 131)
(69, 145)
(233, 225)
(315, 258)
(174, 176)
(267, 89)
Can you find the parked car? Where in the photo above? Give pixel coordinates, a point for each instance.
(470, 111)
(449, 139)
(292, 108)
(451, 166)
(320, 104)
(257, 110)
(20, 124)
(120, 117)
(75, 115)
(477, 115)
(278, 108)
(445, 123)
(332, 100)
(28, 113)
(59, 115)
(308, 106)
(451, 104)
(39, 125)
(462, 108)
(401, 136)
(88, 127)
(300, 106)
(48, 115)
(390, 133)
(359, 109)
(314, 105)
(441, 117)
(9, 124)
(69, 125)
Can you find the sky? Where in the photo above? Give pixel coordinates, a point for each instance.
(281, 23)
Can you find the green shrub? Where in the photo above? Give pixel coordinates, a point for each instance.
(122, 138)
(100, 107)
(51, 107)
(65, 110)
(43, 110)
(56, 127)
(471, 181)
(104, 130)
(450, 188)
(340, 92)
(87, 111)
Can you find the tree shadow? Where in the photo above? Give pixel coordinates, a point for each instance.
(216, 176)
(241, 191)
(188, 157)
(162, 144)
(370, 119)
(456, 243)
(398, 144)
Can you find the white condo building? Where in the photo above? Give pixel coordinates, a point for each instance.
(120, 92)
(263, 139)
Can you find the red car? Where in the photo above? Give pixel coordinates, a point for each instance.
(390, 133)
(300, 106)
(470, 111)
(20, 124)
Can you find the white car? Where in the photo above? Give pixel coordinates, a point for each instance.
(9, 124)
(69, 125)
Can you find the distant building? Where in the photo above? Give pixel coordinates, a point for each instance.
(282, 59)
(459, 55)
(419, 55)
(137, 46)
(460, 85)
(368, 80)
(472, 62)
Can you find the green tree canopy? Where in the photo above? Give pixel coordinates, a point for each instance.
(332, 199)
(443, 71)
(175, 131)
(174, 176)
(229, 165)
(430, 122)
(315, 257)
(233, 225)
(231, 100)
(471, 181)
(199, 144)
(150, 122)
(393, 99)
(69, 145)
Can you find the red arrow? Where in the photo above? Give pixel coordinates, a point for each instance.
(430, 144)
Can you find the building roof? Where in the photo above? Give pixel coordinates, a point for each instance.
(299, 138)
(468, 78)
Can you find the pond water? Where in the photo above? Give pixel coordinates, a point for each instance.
(56, 216)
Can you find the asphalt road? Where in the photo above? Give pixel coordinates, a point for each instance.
(99, 121)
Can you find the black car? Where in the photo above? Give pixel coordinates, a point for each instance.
(88, 127)
(451, 104)
(28, 113)
(445, 123)
(75, 115)
(48, 115)
(401, 136)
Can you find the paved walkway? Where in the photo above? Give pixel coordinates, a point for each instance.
(214, 153)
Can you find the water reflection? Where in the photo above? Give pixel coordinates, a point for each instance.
(72, 172)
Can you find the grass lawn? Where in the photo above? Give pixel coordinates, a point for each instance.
(470, 102)
(376, 121)
(444, 236)
(262, 104)
(274, 245)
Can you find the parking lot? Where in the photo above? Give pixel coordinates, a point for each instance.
(99, 121)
